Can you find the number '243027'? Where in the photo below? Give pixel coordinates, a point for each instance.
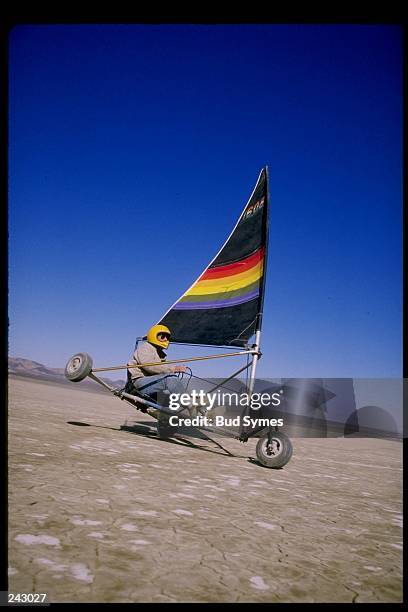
(27, 598)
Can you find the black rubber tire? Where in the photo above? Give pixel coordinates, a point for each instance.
(164, 429)
(278, 455)
(78, 367)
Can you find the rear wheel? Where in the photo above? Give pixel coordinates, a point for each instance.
(164, 429)
(274, 451)
(78, 367)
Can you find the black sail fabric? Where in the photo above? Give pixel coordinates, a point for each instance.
(223, 306)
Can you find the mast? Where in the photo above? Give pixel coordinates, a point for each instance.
(256, 346)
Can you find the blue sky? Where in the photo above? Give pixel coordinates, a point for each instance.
(133, 148)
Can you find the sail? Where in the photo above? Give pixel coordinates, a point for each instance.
(223, 306)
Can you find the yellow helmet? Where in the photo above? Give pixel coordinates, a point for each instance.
(154, 332)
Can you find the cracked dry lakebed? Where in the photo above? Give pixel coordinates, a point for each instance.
(101, 510)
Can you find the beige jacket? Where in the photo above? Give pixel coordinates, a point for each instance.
(147, 353)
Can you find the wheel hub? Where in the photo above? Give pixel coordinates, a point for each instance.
(273, 448)
(75, 364)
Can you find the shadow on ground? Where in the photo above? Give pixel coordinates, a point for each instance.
(149, 430)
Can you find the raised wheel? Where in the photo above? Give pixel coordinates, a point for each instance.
(274, 451)
(78, 367)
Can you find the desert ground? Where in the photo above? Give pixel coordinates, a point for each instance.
(101, 510)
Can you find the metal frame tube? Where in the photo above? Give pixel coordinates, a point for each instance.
(134, 398)
(153, 363)
(254, 362)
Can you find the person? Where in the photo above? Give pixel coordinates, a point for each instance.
(154, 380)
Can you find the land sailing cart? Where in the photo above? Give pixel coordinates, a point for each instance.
(223, 308)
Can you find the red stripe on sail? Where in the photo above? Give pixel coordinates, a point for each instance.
(235, 268)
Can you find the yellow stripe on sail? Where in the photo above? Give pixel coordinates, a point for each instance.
(228, 283)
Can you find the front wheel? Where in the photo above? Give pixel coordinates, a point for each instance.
(78, 367)
(274, 451)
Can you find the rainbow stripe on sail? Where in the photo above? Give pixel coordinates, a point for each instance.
(226, 285)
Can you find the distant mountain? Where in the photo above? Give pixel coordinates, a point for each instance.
(33, 369)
